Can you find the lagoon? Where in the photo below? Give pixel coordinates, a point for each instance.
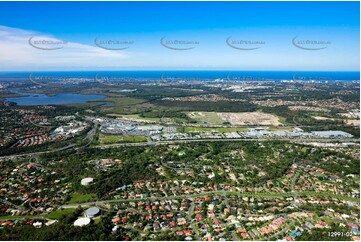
(32, 99)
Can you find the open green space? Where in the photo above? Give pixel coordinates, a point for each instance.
(59, 213)
(114, 139)
(127, 139)
(110, 139)
(210, 118)
(274, 128)
(12, 217)
(81, 198)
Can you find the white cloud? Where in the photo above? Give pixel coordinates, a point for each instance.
(17, 54)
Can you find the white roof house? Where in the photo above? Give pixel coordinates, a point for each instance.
(37, 224)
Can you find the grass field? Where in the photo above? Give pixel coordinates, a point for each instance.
(114, 139)
(133, 139)
(10, 217)
(210, 118)
(109, 139)
(273, 128)
(59, 213)
(80, 198)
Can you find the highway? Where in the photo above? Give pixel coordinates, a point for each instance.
(90, 135)
(222, 140)
(154, 143)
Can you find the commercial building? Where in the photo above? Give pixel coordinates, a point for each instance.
(332, 134)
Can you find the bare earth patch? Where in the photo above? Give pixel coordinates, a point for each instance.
(351, 122)
(250, 118)
(322, 118)
(307, 108)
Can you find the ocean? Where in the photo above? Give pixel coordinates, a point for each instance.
(193, 74)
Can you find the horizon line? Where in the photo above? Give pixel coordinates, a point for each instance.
(2, 71)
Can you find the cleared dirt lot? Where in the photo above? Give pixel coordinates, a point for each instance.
(306, 108)
(250, 118)
(351, 122)
(236, 119)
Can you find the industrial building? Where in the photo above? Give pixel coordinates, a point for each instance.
(332, 134)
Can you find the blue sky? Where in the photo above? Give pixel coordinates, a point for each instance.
(272, 25)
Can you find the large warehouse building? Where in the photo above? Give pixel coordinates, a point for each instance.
(332, 134)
